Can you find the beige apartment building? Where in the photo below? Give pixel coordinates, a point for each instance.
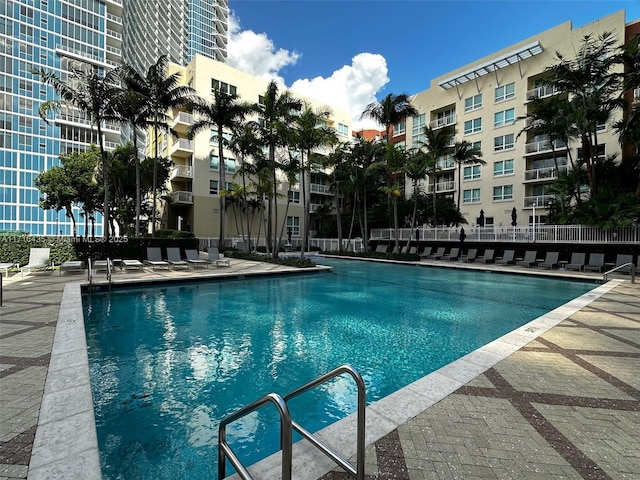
(193, 199)
(482, 100)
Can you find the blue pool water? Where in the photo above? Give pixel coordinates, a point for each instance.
(168, 362)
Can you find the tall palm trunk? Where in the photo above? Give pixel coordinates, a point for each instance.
(222, 186)
(155, 176)
(138, 181)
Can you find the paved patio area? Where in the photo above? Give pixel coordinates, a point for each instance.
(565, 405)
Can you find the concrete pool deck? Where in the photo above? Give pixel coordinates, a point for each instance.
(558, 398)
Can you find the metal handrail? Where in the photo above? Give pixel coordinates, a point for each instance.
(618, 267)
(90, 271)
(287, 424)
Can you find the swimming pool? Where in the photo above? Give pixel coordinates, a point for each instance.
(167, 362)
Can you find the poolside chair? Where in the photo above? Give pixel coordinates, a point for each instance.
(622, 259)
(395, 250)
(507, 257)
(528, 260)
(6, 266)
(438, 255)
(550, 261)
(471, 255)
(38, 260)
(487, 257)
(72, 266)
(98, 265)
(193, 258)
(382, 248)
(154, 258)
(426, 251)
(596, 263)
(577, 262)
(133, 264)
(452, 255)
(413, 250)
(215, 257)
(174, 258)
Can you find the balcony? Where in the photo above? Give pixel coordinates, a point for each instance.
(182, 198)
(540, 92)
(183, 148)
(544, 146)
(540, 201)
(442, 187)
(110, 146)
(182, 122)
(445, 163)
(443, 121)
(318, 188)
(114, 18)
(543, 174)
(636, 96)
(181, 171)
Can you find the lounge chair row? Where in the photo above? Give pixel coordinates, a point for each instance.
(39, 259)
(578, 261)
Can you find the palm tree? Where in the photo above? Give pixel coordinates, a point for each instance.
(389, 111)
(464, 153)
(436, 142)
(310, 132)
(592, 86)
(130, 108)
(94, 93)
(225, 112)
(417, 166)
(160, 93)
(277, 112)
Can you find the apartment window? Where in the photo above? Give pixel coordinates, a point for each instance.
(471, 196)
(417, 128)
(343, 129)
(502, 168)
(472, 126)
(505, 117)
(399, 128)
(477, 145)
(502, 192)
(261, 100)
(503, 142)
(471, 172)
(229, 164)
(213, 187)
(601, 152)
(505, 92)
(293, 225)
(222, 87)
(473, 103)
(213, 141)
(294, 196)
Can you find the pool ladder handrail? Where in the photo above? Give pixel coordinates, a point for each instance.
(618, 267)
(287, 424)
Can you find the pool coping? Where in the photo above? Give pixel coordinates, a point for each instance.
(66, 444)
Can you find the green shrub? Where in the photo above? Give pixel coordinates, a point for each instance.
(256, 257)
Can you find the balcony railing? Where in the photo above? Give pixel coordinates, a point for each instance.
(443, 121)
(540, 201)
(543, 146)
(540, 92)
(448, 186)
(318, 188)
(548, 173)
(181, 171)
(445, 163)
(182, 197)
(114, 18)
(182, 118)
(182, 147)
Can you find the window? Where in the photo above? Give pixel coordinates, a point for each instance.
(472, 172)
(343, 129)
(505, 92)
(213, 187)
(477, 145)
(471, 196)
(473, 103)
(505, 117)
(229, 164)
(601, 152)
(502, 168)
(399, 128)
(503, 142)
(417, 128)
(472, 126)
(213, 140)
(293, 224)
(294, 196)
(503, 192)
(222, 87)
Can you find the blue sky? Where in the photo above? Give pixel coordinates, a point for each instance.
(354, 51)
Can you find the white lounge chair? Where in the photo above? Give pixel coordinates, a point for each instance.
(217, 258)
(6, 266)
(38, 260)
(193, 258)
(132, 264)
(72, 266)
(174, 258)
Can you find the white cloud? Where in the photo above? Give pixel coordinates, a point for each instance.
(349, 88)
(255, 54)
